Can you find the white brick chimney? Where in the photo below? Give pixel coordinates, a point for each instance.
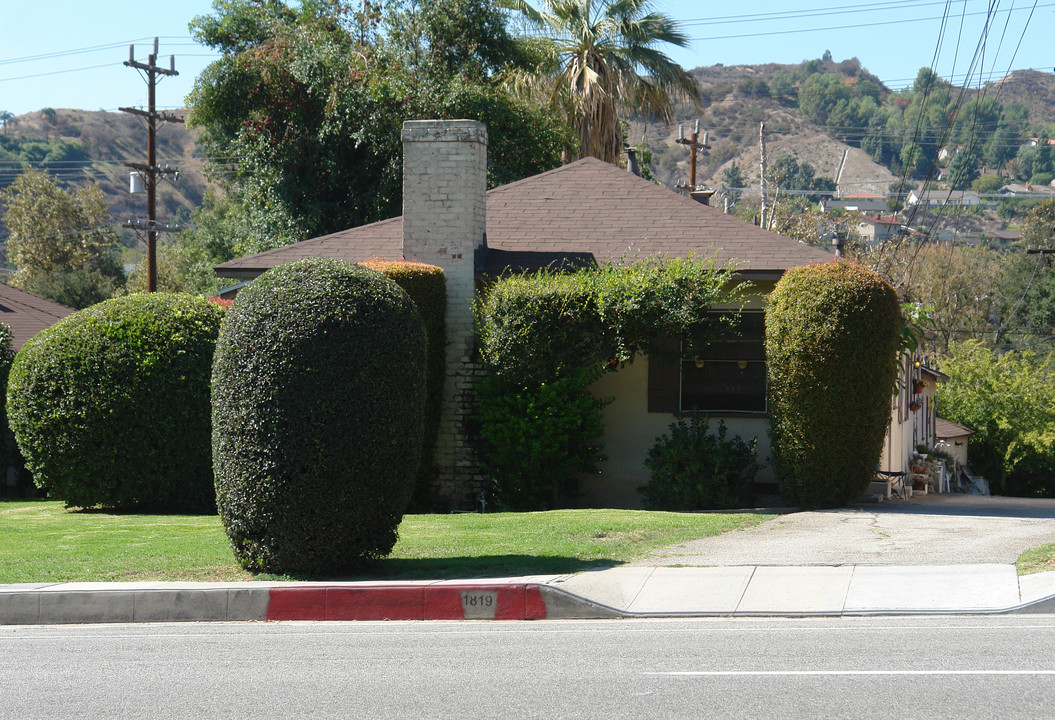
(444, 219)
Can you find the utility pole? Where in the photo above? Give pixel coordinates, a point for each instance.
(762, 164)
(150, 172)
(694, 147)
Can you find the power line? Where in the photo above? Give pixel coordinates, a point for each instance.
(853, 26)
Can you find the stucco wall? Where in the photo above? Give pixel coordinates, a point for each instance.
(631, 430)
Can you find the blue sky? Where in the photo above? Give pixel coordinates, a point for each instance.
(68, 53)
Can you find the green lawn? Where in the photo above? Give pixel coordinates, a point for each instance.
(40, 541)
(1038, 559)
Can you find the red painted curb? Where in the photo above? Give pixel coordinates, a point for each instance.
(407, 602)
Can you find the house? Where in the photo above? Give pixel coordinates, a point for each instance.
(27, 314)
(861, 202)
(585, 213)
(874, 229)
(913, 419)
(953, 439)
(942, 198)
(1027, 190)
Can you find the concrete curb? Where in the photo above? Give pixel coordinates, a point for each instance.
(107, 603)
(53, 605)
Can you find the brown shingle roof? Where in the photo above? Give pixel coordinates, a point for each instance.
(585, 212)
(947, 429)
(27, 314)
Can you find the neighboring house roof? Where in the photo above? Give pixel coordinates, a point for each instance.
(878, 220)
(1027, 189)
(27, 314)
(948, 429)
(943, 197)
(584, 213)
(862, 196)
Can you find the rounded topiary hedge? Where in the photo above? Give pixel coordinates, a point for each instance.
(110, 406)
(318, 396)
(427, 287)
(832, 337)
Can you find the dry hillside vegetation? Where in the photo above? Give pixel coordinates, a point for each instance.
(111, 139)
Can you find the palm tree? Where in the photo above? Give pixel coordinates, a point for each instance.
(598, 57)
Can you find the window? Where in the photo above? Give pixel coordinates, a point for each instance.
(729, 377)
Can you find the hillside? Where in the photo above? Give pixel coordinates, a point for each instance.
(94, 147)
(1032, 88)
(737, 99)
(80, 145)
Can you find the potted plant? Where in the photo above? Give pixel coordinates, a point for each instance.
(918, 385)
(915, 405)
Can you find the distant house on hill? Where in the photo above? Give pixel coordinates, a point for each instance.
(861, 202)
(878, 228)
(941, 198)
(1027, 189)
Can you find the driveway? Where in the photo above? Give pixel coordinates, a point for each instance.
(949, 529)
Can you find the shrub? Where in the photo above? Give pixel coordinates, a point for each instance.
(110, 405)
(544, 338)
(318, 395)
(832, 336)
(691, 469)
(535, 328)
(537, 438)
(9, 455)
(427, 287)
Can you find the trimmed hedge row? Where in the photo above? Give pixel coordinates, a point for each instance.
(427, 287)
(318, 396)
(832, 337)
(546, 337)
(110, 405)
(537, 328)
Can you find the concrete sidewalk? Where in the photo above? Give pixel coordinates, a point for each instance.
(627, 591)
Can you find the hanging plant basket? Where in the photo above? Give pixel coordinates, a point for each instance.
(917, 386)
(915, 405)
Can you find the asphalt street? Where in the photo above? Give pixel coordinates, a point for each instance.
(952, 667)
(949, 529)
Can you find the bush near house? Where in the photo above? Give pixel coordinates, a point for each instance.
(545, 337)
(318, 405)
(1009, 400)
(110, 406)
(427, 287)
(832, 337)
(693, 469)
(538, 438)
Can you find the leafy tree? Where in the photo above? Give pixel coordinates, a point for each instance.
(988, 184)
(1025, 293)
(734, 179)
(601, 57)
(787, 173)
(6, 116)
(782, 85)
(1009, 400)
(315, 114)
(820, 94)
(61, 242)
(964, 168)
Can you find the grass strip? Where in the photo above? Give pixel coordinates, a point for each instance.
(1037, 560)
(41, 541)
